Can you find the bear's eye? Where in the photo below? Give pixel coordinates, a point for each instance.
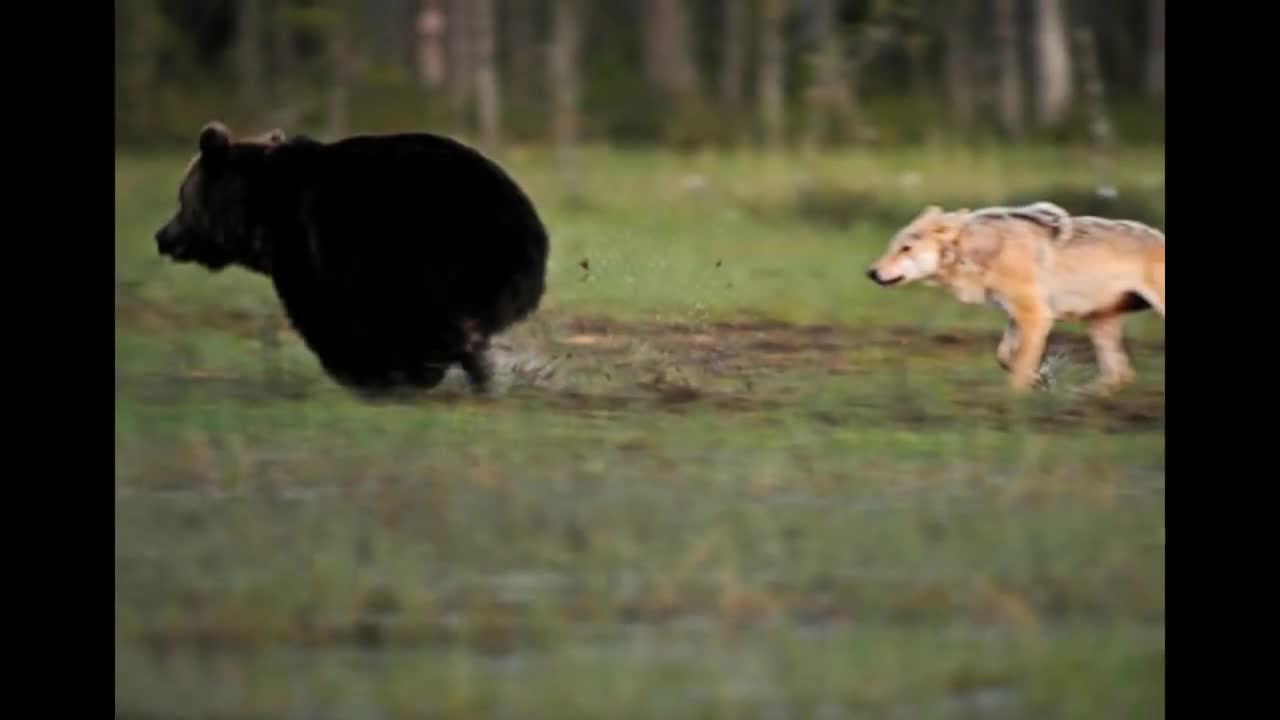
(906, 248)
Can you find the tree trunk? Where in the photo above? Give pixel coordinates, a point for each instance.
(282, 53)
(340, 69)
(523, 61)
(958, 63)
(1010, 89)
(1155, 50)
(249, 53)
(136, 63)
(488, 97)
(829, 97)
(1099, 125)
(391, 31)
(733, 52)
(566, 36)
(458, 38)
(432, 40)
(1053, 63)
(669, 57)
(772, 110)
(919, 73)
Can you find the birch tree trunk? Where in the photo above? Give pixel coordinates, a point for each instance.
(669, 56)
(1053, 63)
(1010, 102)
(488, 93)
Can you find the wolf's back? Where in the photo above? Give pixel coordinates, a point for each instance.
(1090, 229)
(1065, 229)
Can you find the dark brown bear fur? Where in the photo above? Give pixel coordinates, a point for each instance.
(394, 256)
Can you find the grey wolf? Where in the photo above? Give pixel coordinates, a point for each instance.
(1039, 265)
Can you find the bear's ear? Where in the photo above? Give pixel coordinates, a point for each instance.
(214, 139)
(276, 136)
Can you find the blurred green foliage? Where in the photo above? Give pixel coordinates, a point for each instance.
(178, 64)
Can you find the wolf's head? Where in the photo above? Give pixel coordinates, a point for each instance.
(917, 251)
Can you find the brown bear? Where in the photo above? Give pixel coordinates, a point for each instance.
(394, 256)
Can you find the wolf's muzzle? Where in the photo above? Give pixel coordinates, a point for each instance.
(875, 277)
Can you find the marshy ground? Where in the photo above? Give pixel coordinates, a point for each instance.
(723, 475)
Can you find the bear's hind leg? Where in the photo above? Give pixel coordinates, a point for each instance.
(427, 375)
(477, 363)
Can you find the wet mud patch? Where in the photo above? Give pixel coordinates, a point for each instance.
(762, 366)
(749, 346)
(602, 367)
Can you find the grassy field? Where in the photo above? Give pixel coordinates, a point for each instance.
(725, 476)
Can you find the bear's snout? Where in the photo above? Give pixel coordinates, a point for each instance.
(166, 241)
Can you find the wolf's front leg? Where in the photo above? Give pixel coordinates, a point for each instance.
(1034, 323)
(1008, 346)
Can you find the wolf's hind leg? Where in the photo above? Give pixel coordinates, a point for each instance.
(1153, 293)
(1107, 334)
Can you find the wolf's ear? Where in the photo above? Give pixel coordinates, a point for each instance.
(925, 217)
(214, 140)
(946, 227)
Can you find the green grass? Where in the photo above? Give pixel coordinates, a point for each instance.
(756, 485)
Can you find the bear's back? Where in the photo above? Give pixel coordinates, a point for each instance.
(407, 230)
(413, 194)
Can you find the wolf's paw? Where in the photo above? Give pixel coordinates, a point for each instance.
(1046, 376)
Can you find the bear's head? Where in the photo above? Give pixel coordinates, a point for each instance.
(219, 203)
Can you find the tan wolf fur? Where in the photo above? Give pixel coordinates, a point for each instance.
(1039, 265)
